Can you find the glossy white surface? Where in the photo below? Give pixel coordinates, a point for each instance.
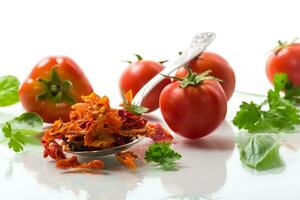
(98, 35)
(209, 169)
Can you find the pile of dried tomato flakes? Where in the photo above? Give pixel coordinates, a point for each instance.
(94, 125)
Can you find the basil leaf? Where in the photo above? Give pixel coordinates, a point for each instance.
(261, 152)
(9, 86)
(27, 123)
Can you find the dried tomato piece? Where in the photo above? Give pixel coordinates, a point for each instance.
(67, 163)
(53, 132)
(131, 121)
(93, 164)
(159, 134)
(73, 163)
(90, 110)
(134, 132)
(121, 140)
(129, 96)
(54, 150)
(128, 159)
(98, 136)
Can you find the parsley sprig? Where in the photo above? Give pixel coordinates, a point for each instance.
(162, 154)
(274, 115)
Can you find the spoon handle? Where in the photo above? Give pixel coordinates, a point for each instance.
(197, 46)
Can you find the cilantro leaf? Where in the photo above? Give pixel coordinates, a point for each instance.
(280, 116)
(7, 129)
(261, 152)
(248, 117)
(21, 130)
(162, 154)
(16, 142)
(9, 86)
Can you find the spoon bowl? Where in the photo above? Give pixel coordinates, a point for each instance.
(105, 152)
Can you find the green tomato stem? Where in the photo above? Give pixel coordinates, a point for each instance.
(56, 89)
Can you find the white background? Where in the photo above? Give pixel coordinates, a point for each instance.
(99, 34)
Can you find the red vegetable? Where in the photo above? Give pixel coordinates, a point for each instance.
(285, 59)
(137, 74)
(52, 87)
(195, 106)
(53, 150)
(72, 162)
(219, 67)
(160, 134)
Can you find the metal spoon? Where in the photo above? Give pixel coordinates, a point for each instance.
(197, 46)
(106, 152)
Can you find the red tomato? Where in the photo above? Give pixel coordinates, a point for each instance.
(193, 111)
(137, 74)
(286, 59)
(218, 65)
(52, 87)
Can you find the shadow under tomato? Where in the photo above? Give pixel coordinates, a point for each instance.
(204, 170)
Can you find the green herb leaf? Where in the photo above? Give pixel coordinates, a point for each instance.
(22, 130)
(248, 117)
(261, 152)
(27, 123)
(9, 86)
(162, 154)
(7, 129)
(133, 108)
(279, 116)
(136, 109)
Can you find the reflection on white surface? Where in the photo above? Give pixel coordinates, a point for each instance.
(209, 169)
(202, 169)
(203, 160)
(204, 165)
(106, 184)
